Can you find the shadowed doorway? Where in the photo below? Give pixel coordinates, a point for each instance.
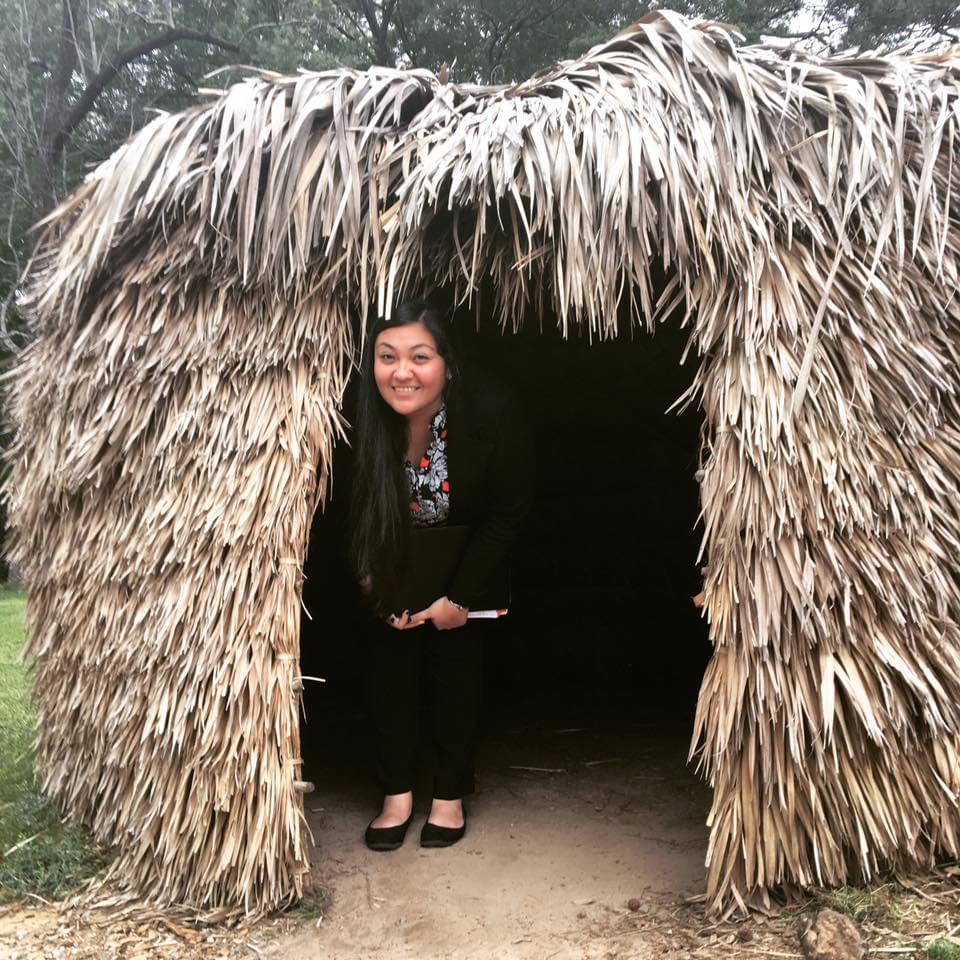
(590, 682)
(602, 620)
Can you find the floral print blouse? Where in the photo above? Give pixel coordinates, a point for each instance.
(427, 483)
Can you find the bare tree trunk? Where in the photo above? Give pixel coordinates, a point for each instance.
(54, 110)
(379, 29)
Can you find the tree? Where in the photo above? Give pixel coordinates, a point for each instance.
(499, 41)
(755, 20)
(833, 25)
(926, 23)
(79, 77)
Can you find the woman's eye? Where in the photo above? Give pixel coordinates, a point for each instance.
(421, 357)
(385, 357)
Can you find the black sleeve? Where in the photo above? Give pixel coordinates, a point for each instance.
(484, 567)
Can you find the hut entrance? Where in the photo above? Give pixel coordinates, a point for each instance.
(591, 681)
(605, 575)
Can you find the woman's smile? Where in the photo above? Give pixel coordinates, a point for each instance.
(405, 392)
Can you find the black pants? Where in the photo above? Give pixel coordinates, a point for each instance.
(447, 666)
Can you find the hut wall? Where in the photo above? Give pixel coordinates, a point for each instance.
(829, 710)
(164, 613)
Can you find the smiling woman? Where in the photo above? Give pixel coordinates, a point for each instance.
(409, 370)
(442, 482)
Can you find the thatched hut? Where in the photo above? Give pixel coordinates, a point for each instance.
(176, 413)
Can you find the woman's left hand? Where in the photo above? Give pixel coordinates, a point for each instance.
(444, 614)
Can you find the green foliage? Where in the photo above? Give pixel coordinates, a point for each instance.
(313, 906)
(289, 35)
(941, 950)
(891, 22)
(862, 904)
(499, 41)
(49, 860)
(754, 20)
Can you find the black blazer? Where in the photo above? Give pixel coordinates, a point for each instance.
(491, 471)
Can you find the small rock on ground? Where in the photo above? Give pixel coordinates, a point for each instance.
(832, 936)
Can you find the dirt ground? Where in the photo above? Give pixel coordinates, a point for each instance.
(570, 823)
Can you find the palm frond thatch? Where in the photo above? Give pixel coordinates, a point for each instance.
(191, 305)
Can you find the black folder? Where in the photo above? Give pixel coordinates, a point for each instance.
(433, 554)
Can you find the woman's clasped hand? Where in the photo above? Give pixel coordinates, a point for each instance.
(444, 614)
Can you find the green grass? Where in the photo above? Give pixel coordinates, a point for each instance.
(875, 904)
(313, 905)
(51, 860)
(941, 950)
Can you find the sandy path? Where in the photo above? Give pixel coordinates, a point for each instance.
(545, 871)
(547, 866)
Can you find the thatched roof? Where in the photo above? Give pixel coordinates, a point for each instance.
(192, 314)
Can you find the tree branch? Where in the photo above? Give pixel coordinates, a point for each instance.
(274, 25)
(349, 37)
(68, 55)
(814, 33)
(504, 34)
(352, 19)
(105, 77)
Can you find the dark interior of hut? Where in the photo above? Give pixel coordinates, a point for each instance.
(602, 633)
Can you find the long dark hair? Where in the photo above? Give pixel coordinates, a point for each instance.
(379, 512)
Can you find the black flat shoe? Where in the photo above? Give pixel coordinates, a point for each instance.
(387, 838)
(434, 836)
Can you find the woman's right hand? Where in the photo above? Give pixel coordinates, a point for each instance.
(402, 622)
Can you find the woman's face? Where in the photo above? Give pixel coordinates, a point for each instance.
(409, 372)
